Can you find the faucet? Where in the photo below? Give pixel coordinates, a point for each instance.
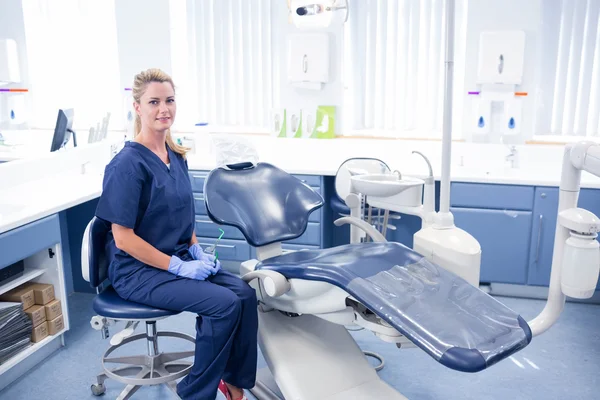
(512, 157)
(396, 172)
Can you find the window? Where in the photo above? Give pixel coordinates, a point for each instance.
(394, 67)
(73, 60)
(568, 101)
(224, 58)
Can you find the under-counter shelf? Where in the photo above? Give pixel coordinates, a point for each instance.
(28, 275)
(22, 355)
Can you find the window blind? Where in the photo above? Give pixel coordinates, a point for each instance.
(229, 65)
(569, 88)
(394, 66)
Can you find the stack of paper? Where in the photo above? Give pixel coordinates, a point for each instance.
(15, 330)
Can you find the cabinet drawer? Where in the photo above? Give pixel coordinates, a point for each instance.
(231, 250)
(504, 237)
(197, 179)
(310, 180)
(312, 235)
(206, 228)
(500, 197)
(24, 241)
(199, 205)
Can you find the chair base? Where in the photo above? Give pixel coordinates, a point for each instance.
(142, 370)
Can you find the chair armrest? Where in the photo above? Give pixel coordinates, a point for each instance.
(369, 230)
(274, 283)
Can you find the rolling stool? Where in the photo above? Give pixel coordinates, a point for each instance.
(154, 368)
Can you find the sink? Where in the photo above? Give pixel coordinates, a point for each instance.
(384, 185)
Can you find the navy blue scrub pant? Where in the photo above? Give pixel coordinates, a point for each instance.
(226, 328)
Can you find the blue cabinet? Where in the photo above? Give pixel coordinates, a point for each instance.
(233, 246)
(542, 235)
(504, 238)
(499, 217)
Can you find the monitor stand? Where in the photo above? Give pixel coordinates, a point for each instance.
(74, 137)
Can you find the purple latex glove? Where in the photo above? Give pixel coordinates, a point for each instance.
(196, 269)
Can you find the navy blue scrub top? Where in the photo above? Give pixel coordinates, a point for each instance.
(142, 193)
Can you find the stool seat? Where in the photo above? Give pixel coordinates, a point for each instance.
(110, 305)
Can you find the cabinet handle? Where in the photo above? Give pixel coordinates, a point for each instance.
(537, 250)
(225, 246)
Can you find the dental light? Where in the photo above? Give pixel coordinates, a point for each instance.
(308, 14)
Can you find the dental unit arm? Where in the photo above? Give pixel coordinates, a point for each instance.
(576, 257)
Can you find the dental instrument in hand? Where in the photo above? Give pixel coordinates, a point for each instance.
(212, 249)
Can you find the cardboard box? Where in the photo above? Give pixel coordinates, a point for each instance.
(53, 309)
(43, 292)
(40, 332)
(37, 314)
(56, 325)
(20, 294)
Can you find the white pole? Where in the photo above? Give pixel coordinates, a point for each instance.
(447, 118)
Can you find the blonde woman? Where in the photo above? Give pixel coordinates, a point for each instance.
(155, 256)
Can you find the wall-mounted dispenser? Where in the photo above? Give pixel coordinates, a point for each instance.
(9, 62)
(501, 57)
(308, 60)
(500, 71)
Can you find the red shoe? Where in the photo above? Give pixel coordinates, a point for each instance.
(223, 389)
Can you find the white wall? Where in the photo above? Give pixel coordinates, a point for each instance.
(144, 37)
(144, 41)
(488, 15)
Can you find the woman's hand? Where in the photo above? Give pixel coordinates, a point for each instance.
(196, 269)
(198, 253)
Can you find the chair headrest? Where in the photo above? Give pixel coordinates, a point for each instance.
(266, 204)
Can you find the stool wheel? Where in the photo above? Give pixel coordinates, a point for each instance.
(98, 389)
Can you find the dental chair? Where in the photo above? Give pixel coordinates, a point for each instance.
(153, 368)
(307, 297)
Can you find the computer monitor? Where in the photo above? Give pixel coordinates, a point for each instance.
(63, 130)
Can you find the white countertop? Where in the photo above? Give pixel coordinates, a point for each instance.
(35, 197)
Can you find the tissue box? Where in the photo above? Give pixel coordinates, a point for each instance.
(37, 314)
(43, 292)
(40, 332)
(56, 325)
(21, 294)
(53, 309)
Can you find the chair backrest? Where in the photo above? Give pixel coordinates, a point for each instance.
(94, 263)
(266, 204)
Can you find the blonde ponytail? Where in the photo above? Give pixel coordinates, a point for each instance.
(179, 149)
(140, 83)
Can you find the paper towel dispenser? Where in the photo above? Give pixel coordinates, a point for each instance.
(308, 60)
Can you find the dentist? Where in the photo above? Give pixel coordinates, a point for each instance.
(155, 258)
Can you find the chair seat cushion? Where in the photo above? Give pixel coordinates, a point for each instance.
(457, 324)
(110, 305)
